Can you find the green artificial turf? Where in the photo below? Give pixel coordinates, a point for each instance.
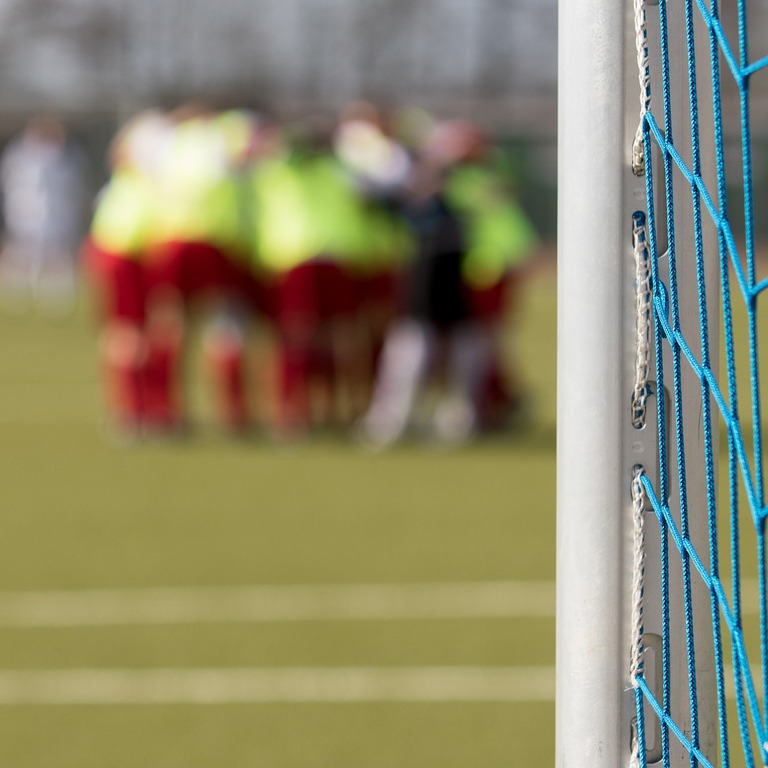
(80, 512)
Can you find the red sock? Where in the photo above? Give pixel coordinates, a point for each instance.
(293, 382)
(228, 372)
(126, 388)
(161, 371)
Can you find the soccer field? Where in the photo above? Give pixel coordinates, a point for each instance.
(215, 603)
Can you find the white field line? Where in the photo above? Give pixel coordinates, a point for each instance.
(347, 602)
(273, 685)
(290, 603)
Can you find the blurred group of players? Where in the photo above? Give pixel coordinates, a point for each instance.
(381, 253)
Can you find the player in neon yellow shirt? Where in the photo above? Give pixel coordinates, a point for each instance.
(119, 239)
(310, 233)
(196, 261)
(500, 243)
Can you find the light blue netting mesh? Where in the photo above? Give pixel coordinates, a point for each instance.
(730, 395)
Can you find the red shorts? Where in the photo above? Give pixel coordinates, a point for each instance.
(192, 268)
(489, 304)
(315, 292)
(120, 283)
(379, 288)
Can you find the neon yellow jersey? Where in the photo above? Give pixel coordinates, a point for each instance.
(200, 194)
(498, 233)
(124, 218)
(282, 227)
(308, 207)
(336, 209)
(390, 243)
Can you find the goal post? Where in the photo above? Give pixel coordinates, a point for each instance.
(599, 447)
(592, 712)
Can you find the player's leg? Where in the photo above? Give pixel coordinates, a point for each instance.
(502, 393)
(339, 345)
(166, 327)
(55, 286)
(225, 352)
(296, 318)
(16, 275)
(470, 359)
(119, 284)
(408, 350)
(222, 295)
(375, 314)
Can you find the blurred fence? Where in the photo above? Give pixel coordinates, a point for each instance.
(490, 58)
(98, 61)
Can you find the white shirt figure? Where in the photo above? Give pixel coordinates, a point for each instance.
(42, 182)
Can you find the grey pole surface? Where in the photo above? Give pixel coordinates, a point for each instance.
(597, 447)
(591, 405)
(597, 195)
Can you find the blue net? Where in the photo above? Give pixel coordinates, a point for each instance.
(714, 190)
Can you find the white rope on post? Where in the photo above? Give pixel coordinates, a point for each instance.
(637, 655)
(640, 394)
(641, 390)
(592, 723)
(644, 77)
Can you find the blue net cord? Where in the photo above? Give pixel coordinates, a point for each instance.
(745, 466)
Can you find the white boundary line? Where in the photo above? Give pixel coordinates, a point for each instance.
(290, 603)
(257, 685)
(273, 685)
